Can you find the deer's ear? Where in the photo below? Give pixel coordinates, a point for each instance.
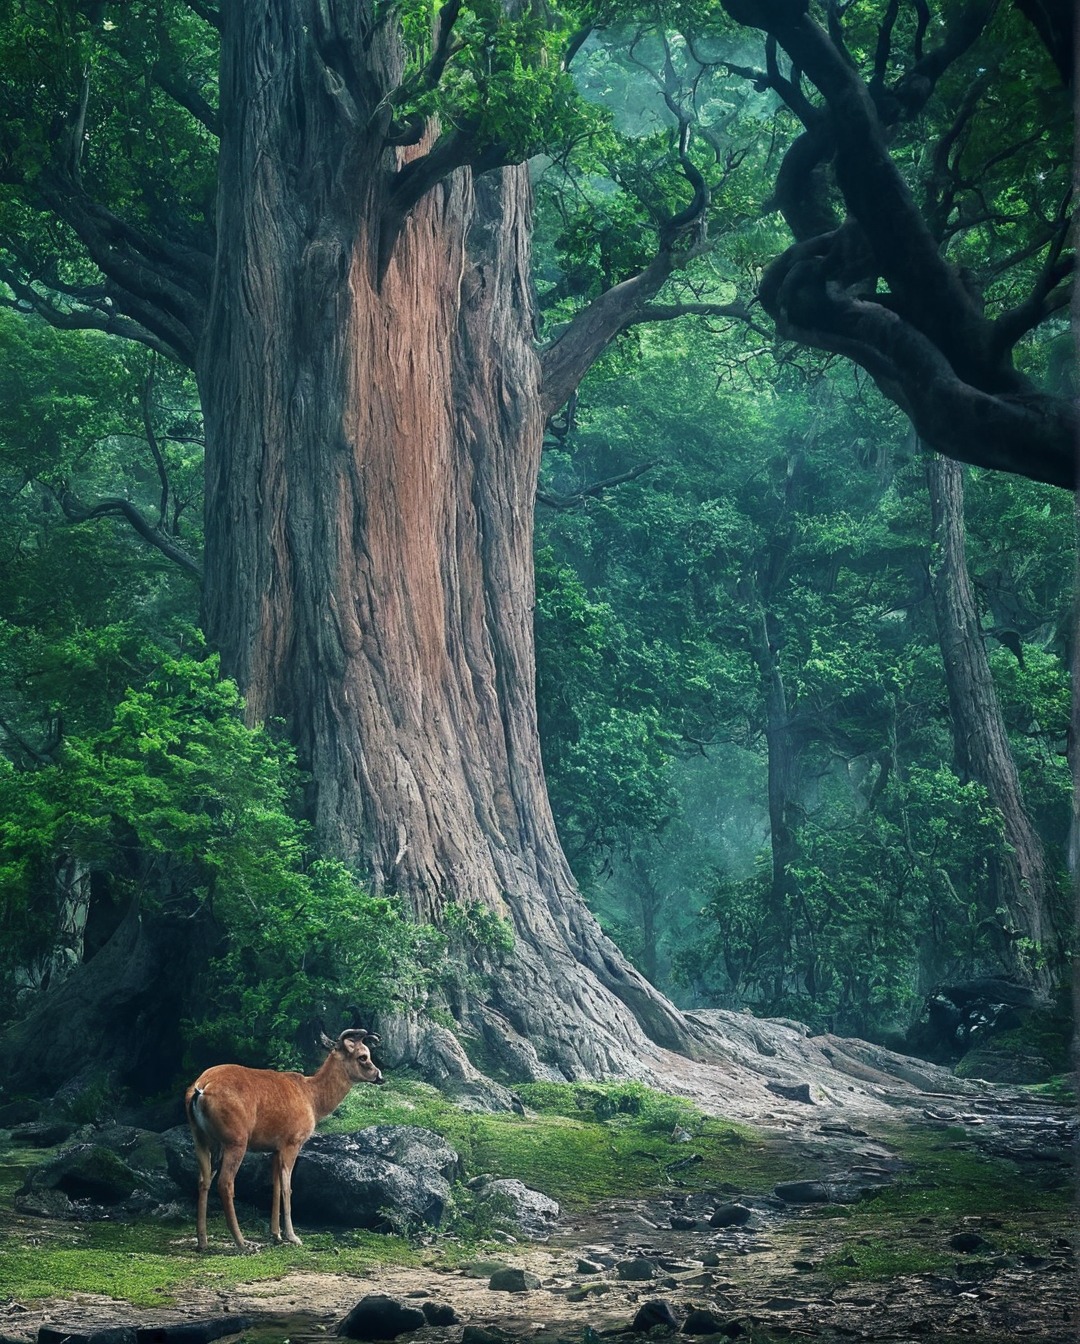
(326, 1042)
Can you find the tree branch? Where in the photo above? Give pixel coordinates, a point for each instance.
(209, 12)
(90, 318)
(182, 91)
(557, 501)
(668, 312)
(78, 512)
(568, 359)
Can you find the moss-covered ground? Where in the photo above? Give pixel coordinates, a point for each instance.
(583, 1145)
(949, 1187)
(578, 1144)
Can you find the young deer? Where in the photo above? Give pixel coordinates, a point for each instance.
(231, 1109)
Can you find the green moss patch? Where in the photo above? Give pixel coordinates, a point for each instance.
(951, 1186)
(583, 1142)
(149, 1264)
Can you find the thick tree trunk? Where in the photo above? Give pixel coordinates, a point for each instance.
(1026, 937)
(373, 440)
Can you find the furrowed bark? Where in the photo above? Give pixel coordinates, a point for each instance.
(1022, 883)
(374, 427)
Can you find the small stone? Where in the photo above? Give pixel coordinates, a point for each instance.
(792, 1091)
(584, 1291)
(654, 1313)
(680, 1222)
(730, 1215)
(802, 1192)
(380, 1317)
(966, 1242)
(512, 1280)
(589, 1267)
(439, 1313)
(700, 1321)
(710, 1259)
(637, 1270)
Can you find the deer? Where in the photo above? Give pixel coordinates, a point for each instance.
(231, 1108)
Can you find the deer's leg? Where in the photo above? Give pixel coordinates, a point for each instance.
(275, 1198)
(288, 1161)
(204, 1157)
(230, 1163)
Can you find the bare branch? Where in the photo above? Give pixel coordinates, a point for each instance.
(556, 501)
(78, 512)
(182, 91)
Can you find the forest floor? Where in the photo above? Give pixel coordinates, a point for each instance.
(964, 1231)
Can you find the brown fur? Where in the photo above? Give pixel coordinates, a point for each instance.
(231, 1109)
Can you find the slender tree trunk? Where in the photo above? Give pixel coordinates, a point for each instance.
(373, 438)
(1022, 884)
(783, 760)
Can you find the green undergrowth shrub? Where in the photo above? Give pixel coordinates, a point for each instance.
(184, 812)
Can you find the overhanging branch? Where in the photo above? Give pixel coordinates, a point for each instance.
(78, 512)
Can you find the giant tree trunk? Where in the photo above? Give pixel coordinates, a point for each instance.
(1022, 884)
(374, 426)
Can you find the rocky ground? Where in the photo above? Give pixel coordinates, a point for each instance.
(816, 1259)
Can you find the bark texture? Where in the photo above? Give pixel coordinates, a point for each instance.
(1022, 883)
(374, 424)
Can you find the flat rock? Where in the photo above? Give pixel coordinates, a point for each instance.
(802, 1192)
(512, 1279)
(193, 1332)
(730, 1215)
(792, 1091)
(64, 1334)
(636, 1270)
(43, 1133)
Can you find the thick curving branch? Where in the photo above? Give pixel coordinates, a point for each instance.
(77, 512)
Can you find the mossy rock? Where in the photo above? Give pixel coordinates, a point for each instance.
(998, 1063)
(87, 1172)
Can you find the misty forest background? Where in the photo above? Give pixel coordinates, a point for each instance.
(761, 771)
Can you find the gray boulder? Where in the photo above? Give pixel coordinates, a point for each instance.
(512, 1279)
(531, 1212)
(87, 1176)
(386, 1177)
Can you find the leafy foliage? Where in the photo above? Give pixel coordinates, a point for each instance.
(192, 815)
